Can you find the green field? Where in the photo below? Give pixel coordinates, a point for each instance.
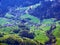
(7, 26)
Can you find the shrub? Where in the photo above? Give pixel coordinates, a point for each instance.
(26, 34)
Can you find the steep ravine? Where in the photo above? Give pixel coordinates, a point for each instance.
(52, 38)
